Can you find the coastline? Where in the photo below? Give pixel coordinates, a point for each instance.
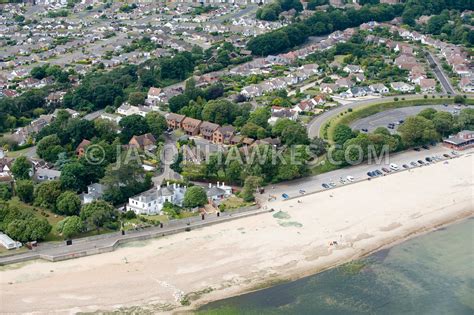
(248, 254)
(297, 276)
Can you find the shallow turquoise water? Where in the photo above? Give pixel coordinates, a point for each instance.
(431, 274)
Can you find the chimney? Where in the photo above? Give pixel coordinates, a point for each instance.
(217, 184)
(174, 185)
(223, 184)
(167, 184)
(210, 185)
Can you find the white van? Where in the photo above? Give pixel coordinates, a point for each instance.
(394, 166)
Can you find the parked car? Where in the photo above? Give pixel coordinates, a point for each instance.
(421, 162)
(413, 164)
(428, 159)
(446, 155)
(405, 166)
(386, 170)
(326, 186)
(378, 173)
(417, 149)
(350, 178)
(425, 147)
(394, 166)
(365, 130)
(370, 174)
(332, 184)
(285, 196)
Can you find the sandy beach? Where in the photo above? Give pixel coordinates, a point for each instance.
(241, 255)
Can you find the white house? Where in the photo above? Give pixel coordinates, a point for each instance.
(111, 117)
(402, 87)
(379, 88)
(218, 192)
(94, 192)
(153, 200)
(45, 174)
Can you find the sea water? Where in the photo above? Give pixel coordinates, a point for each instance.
(430, 274)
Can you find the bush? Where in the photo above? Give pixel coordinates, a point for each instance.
(396, 99)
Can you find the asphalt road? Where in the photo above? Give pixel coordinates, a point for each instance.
(442, 78)
(315, 125)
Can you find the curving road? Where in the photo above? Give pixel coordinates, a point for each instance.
(315, 125)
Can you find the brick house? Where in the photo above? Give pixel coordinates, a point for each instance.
(207, 129)
(223, 135)
(81, 148)
(174, 121)
(144, 142)
(191, 126)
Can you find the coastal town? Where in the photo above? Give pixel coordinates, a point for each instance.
(123, 122)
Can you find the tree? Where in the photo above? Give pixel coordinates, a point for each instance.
(294, 134)
(250, 185)
(318, 146)
(459, 99)
(428, 113)
(466, 119)
(68, 203)
(444, 123)
(195, 196)
(176, 103)
(24, 190)
(97, 213)
(49, 147)
(156, 123)
(31, 229)
(105, 129)
(70, 226)
(72, 177)
(47, 193)
(418, 130)
(137, 98)
(342, 133)
(133, 125)
(21, 168)
(5, 191)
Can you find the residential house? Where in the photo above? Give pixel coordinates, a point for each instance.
(191, 126)
(466, 84)
(281, 112)
(402, 87)
(345, 83)
(328, 88)
(45, 174)
(81, 148)
(152, 201)
(352, 69)
(379, 88)
(428, 85)
(223, 135)
(218, 192)
(71, 112)
(207, 129)
(94, 192)
(154, 95)
(143, 142)
(174, 121)
(111, 117)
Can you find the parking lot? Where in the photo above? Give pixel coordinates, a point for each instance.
(314, 183)
(394, 116)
